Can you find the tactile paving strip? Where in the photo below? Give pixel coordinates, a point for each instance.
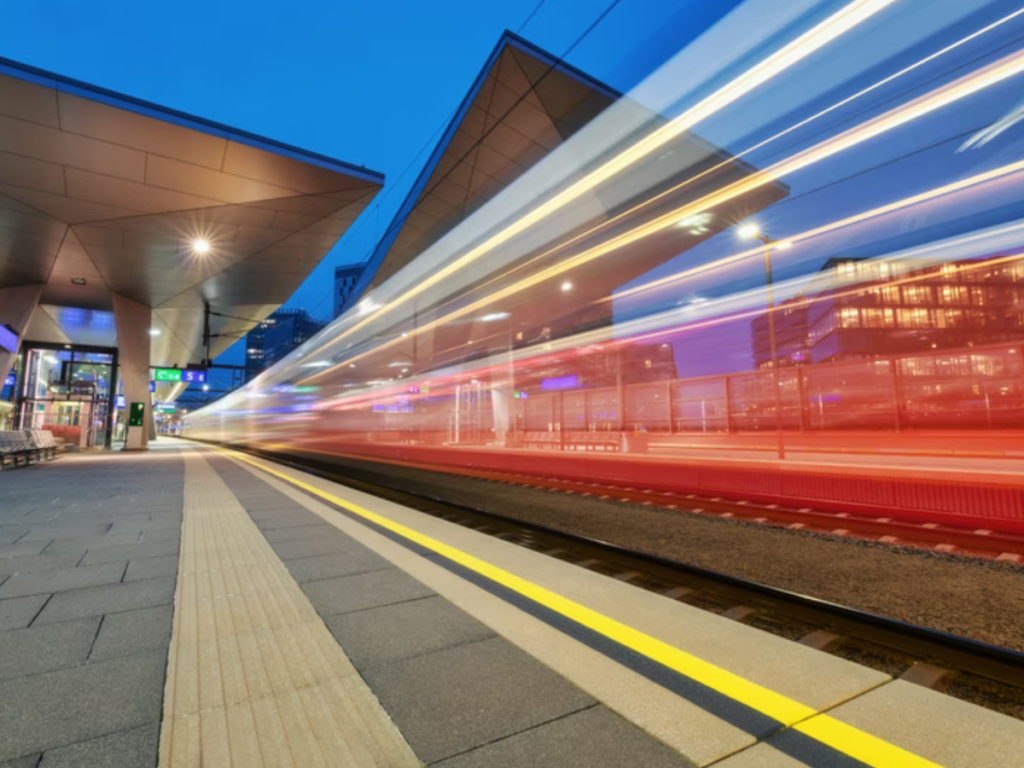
(254, 676)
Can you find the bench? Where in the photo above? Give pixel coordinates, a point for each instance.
(27, 445)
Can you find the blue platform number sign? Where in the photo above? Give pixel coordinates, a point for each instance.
(193, 376)
(11, 380)
(137, 415)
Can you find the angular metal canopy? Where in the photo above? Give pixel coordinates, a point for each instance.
(103, 194)
(524, 104)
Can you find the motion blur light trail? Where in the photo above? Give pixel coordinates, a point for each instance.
(945, 96)
(853, 14)
(599, 322)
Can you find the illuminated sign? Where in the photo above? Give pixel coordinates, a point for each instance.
(11, 380)
(522, 395)
(188, 375)
(137, 415)
(561, 382)
(152, 386)
(8, 339)
(120, 401)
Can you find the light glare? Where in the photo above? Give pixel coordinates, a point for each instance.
(749, 231)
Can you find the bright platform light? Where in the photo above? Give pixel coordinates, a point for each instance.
(154, 331)
(748, 231)
(566, 286)
(200, 246)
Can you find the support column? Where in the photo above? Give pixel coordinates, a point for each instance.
(133, 322)
(17, 306)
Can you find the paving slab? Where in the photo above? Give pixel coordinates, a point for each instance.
(11, 533)
(338, 564)
(29, 761)
(392, 632)
(130, 632)
(299, 533)
(48, 562)
(65, 530)
(151, 568)
(461, 698)
(18, 612)
(363, 590)
(291, 550)
(22, 584)
(71, 705)
(135, 748)
(44, 648)
(110, 598)
(591, 738)
(23, 548)
(110, 554)
(82, 543)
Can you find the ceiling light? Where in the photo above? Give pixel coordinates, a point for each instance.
(495, 316)
(206, 387)
(200, 246)
(78, 281)
(749, 231)
(317, 364)
(566, 286)
(154, 331)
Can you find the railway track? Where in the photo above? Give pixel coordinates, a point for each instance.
(984, 674)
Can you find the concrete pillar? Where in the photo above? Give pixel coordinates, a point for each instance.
(16, 308)
(133, 323)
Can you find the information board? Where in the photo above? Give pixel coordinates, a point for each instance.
(189, 375)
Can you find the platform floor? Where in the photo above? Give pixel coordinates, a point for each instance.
(191, 607)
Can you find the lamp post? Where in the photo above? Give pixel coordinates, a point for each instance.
(751, 231)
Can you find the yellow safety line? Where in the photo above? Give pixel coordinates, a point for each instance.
(847, 739)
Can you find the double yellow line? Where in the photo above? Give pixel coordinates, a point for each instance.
(827, 730)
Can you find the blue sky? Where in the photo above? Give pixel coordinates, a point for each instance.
(368, 83)
(373, 83)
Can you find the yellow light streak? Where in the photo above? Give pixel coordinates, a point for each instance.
(941, 97)
(806, 44)
(693, 179)
(758, 251)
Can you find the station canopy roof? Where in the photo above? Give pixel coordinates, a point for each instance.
(101, 193)
(523, 105)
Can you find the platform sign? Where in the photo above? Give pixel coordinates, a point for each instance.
(152, 386)
(137, 415)
(11, 380)
(188, 375)
(166, 374)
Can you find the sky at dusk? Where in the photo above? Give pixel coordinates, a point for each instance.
(374, 83)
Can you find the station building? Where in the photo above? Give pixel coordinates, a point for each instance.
(123, 223)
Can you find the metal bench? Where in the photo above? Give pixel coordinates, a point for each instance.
(27, 445)
(15, 449)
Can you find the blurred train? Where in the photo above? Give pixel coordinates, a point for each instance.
(593, 315)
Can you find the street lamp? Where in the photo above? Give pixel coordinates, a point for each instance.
(750, 231)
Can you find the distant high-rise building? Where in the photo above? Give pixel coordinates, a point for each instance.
(275, 337)
(345, 279)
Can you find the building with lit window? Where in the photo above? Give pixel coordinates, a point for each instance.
(345, 280)
(276, 336)
(866, 309)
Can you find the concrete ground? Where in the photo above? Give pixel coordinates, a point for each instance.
(88, 558)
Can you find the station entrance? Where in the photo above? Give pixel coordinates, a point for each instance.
(69, 390)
